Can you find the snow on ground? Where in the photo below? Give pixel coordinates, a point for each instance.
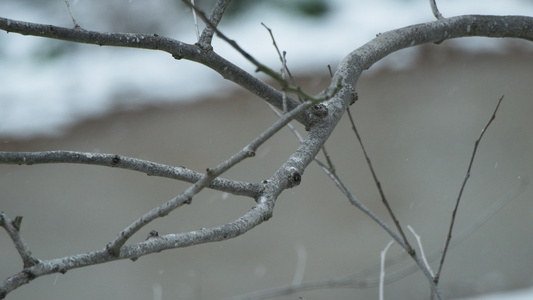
(42, 96)
(526, 294)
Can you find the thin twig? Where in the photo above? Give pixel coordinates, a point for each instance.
(282, 57)
(76, 25)
(467, 176)
(408, 247)
(382, 270)
(422, 253)
(435, 10)
(289, 125)
(284, 69)
(195, 22)
(285, 72)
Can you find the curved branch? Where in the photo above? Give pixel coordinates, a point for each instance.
(177, 49)
(353, 64)
(234, 187)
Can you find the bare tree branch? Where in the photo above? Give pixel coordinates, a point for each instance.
(128, 163)
(76, 25)
(195, 22)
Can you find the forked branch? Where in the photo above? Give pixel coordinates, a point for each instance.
(186, 197)
(262, 67)
(214, 18)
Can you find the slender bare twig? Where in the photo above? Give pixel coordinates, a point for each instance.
(419, 263)
(289, 125)
(467, 176)
(435, 10)
(382, 270)
(284, 69)
(76, 25)
(195, 22)
(422, 253)
(129, 163)
(282, 57)
(406, 244)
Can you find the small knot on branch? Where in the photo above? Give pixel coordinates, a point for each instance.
(320, 110)
(295, 178)
(115, 160)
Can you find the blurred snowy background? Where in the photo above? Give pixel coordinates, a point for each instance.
(46, 85)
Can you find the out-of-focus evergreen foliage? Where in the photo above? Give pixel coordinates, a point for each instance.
(304, 8)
